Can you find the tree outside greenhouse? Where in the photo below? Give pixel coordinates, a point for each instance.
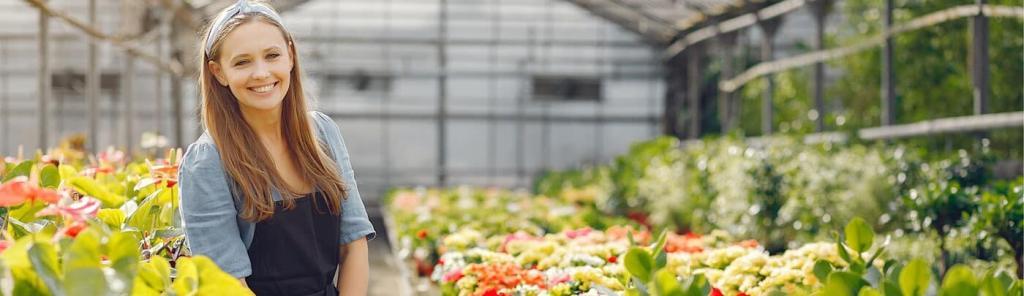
(541, 147)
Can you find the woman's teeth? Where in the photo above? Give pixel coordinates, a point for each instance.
(263, 89)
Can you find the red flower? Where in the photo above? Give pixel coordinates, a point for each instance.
(422, 234)
(612, 259)
(4, 244)
(491, 292)
(73, 229)
(18, 190)
(715, 292)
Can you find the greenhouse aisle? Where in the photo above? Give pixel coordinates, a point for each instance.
(384, 276)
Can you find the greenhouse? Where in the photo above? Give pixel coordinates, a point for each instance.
(511, 147)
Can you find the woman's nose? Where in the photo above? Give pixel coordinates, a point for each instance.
(262, 71)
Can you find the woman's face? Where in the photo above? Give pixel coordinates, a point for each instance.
(256, 64)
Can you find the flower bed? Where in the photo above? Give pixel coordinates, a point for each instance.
(98, 226)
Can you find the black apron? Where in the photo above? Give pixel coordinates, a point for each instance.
(295, 252)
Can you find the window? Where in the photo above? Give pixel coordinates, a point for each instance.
(356, 82)
(566, 89)
(73, 82)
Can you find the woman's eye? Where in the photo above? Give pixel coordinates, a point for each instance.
(273, 56)
(239, 63)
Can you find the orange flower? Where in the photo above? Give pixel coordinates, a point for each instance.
(18, 190)
(494, 277)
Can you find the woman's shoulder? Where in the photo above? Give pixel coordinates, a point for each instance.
(321, 120)
(201, 155)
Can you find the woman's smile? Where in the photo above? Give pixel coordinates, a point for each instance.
(264, 89)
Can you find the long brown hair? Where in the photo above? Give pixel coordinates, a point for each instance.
(248, 163)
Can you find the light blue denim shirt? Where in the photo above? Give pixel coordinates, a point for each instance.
(209, 212)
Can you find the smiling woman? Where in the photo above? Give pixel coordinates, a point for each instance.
(268, 191)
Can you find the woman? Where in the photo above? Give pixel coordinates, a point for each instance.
(267, 191)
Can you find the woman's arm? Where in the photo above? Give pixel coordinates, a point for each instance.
(354, 268)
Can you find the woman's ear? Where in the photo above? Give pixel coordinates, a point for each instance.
(218, 73)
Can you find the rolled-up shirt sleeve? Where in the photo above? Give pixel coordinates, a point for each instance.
(354, 222)
(208, 211)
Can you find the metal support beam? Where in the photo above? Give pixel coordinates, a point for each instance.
(5, 109)
(888, 75)
(820, 9)
(769, 28)
(159, 97)
(653, 30)
(675, 93)
(92, 84)
(128, 95)
(726, 47)
(979, 60)
(44, 79)
(442, 94)
(931, 19)
(962, 124)
(177, 96)
(694, 79)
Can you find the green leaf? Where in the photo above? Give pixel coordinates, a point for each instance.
(992, 286)
(844, 283)
(890, 288)
(67, 171)
(154, 275)
(27, 282)
(187, 281)
(49, 177)
(696, 285)
(22, 169)
(665, 283)
(215, 281)
(660, 260)
(914, 278)
(26, 212)
(91, 188)
(959, 280)
(114, 218)
(821, 270)
(859, 235)
(84, 251)
(639, 263)
(147, 216)
(123, 253)
(44, 261)
(869, 291)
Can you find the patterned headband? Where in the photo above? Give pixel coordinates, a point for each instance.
(240, 7)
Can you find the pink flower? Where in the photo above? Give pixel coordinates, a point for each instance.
(110, 156)
(560, 279)
(452, 276)
(519, 235)
(4, 244)
(573, 234)
(84, 208)
(406, 201)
